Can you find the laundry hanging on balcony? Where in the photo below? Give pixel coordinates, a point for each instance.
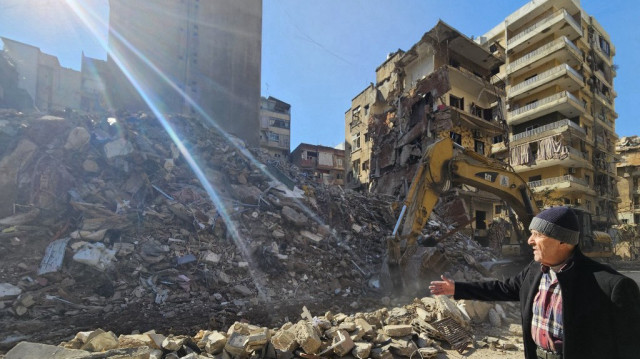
(551, 148)
(521, 155)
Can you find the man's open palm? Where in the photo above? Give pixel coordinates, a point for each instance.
(444, 287)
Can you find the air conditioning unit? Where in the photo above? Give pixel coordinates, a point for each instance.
(572, 170)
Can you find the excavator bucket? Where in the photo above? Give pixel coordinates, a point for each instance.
(434, 260)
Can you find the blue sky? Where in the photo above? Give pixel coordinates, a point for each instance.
(318, 55)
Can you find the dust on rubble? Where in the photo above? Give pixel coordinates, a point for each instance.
(103, 224)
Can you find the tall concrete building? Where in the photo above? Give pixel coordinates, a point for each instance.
(210, 50)
(275, 127)
(558, 74)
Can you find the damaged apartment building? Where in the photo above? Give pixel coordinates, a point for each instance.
(558, 75)
(535, 92)
(441, 87)
(628, 148)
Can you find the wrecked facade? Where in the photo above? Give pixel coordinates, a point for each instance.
(628, 148)
(440, 87)
(322, 163)
(559, 75)
(275, 127)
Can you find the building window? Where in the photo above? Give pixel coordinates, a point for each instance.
(456, 137)
(498, 209)
(355, 141)
(625, 221)
(274, 137)
(457, 102)
(497, 139)
(355, 167)
(278, 122)
(366, 137)
(339, 162)
(479, 147)
(604, 45)
(366, 110)
(365, 165)
(355, 114)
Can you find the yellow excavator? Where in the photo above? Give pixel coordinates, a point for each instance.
(445, 163)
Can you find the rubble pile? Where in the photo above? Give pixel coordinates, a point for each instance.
(420, 328)
(103, 223)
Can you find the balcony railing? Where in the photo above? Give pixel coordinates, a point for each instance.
(577, 153)
(543, 75)
(354, 123)
(544, 101)
(548, 127)
(556, 180)
(542, 23)
(542, 50)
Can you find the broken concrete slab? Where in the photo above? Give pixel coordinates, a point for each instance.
(397, 330)
(8, 290)
(307, 337)
(36, 350)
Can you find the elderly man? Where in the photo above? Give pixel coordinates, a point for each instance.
(572, 306)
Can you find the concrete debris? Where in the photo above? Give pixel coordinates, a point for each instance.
(108, 226)
(360, 335)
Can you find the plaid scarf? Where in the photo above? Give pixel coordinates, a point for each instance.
(546, 326)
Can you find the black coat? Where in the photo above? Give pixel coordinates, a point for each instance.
(600, 307)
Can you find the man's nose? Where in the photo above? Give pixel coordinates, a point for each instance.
(530, 241)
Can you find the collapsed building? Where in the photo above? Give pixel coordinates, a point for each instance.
(104, 223)
(441, 87)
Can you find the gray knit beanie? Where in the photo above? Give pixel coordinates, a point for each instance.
(560, 223)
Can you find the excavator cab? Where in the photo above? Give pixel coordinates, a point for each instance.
(595, 244)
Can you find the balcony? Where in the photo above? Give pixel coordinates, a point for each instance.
(561, 50)
(307, 163)
(562, 102)
(555, 23)
(354, 123)
(566, 157)
(563, 76)
(601, 53)
(547, 130)
(566, 183)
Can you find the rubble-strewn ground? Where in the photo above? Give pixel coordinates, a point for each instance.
(103, 224)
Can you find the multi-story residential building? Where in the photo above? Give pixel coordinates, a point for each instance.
(209, 50)
(628, 148)
(358, 142)
(561, 114)
(50, 86)
(441, 87)
(321, 163)
(275, 127)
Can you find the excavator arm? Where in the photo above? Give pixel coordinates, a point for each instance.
(440, 167)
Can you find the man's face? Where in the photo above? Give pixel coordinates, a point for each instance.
(547, 250)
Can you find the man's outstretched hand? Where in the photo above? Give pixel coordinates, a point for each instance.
(444, 287)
